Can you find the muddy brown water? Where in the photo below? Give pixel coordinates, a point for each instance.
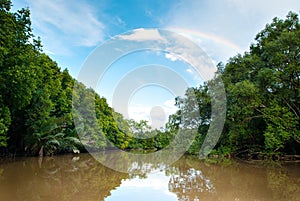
(82, 178)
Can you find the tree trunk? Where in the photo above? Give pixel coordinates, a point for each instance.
(41, 151)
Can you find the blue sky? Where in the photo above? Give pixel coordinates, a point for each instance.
(71, 29)
(156, 188)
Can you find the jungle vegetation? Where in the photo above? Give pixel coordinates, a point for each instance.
(262, 91)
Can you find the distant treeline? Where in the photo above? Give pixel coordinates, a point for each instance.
(36, 97)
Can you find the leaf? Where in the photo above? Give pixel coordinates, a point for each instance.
(53, 142)
(73, 140)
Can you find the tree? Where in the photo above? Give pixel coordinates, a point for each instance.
(263, 96)
(17, 67)
(263, 90)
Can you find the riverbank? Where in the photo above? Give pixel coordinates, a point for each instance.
(213, 158)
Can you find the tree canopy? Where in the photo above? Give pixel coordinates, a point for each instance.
(262, 88)
(263, 95)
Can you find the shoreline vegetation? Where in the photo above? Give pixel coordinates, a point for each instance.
(262, 88)
(211, 159)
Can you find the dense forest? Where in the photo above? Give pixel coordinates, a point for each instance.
(262, 88)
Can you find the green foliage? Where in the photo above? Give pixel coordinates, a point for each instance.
(5, 121)
(36, 97)
(281, 127)
(262, 88)
(263, 98)
(51, 137)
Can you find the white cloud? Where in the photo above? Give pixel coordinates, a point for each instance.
(272, 8)
(189, 71)
(177, 47)
(216, 47)
(171, 57)
(188, 51)
(139, 112)
(63, 24)
(221, 25)
(143, 35)
(170, 104)
(157, 116)
(154, 182)
(138, 189)
(195, 76)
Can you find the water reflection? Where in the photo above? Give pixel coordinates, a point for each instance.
(60, 178)
(194, 180)
(190, 185)
(81, 177)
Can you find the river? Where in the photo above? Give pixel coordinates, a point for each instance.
(82, 178)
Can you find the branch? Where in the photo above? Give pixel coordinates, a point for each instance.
(291, 107)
